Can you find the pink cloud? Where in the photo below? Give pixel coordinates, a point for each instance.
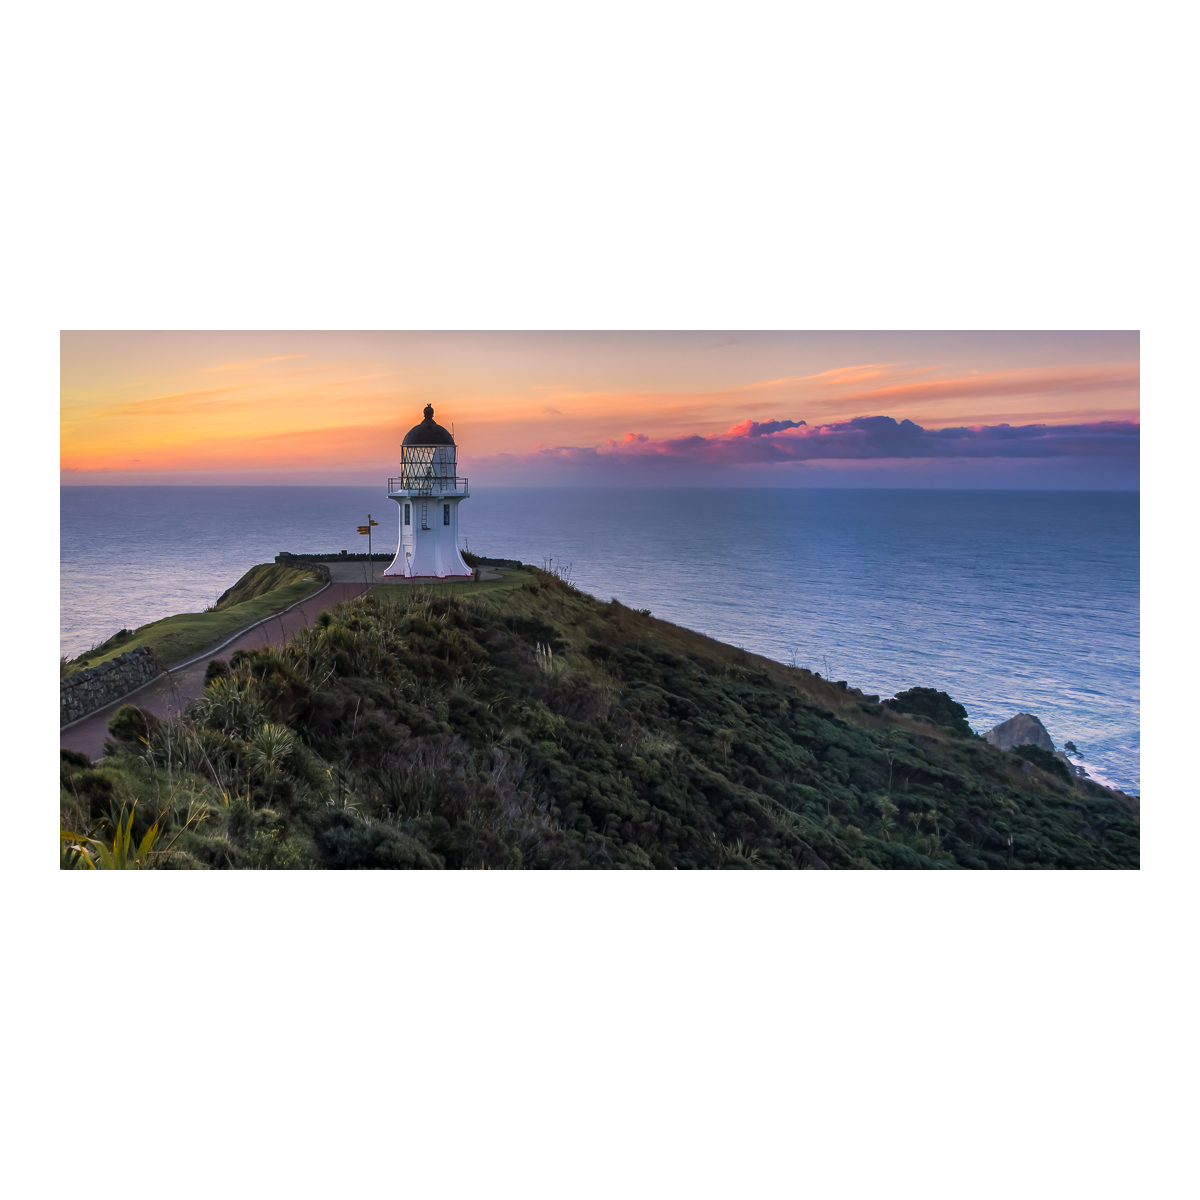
(878, 437)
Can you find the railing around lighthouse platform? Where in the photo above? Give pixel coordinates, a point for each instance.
(427, 485)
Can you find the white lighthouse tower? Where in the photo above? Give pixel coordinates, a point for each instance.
(428, 492)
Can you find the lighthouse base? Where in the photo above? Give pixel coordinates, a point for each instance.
(396, 578)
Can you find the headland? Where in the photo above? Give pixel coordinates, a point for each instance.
(518, 722)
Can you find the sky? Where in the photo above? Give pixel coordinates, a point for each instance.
(799, 409)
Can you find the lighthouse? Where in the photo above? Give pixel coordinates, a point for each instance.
(428, 492)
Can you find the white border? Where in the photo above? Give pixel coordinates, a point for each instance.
(619, 167)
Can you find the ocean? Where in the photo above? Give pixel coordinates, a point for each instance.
(1010, 601)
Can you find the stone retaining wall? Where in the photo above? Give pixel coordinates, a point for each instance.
(511, 563)
(320, 570)
(284, 559)
(86, 691)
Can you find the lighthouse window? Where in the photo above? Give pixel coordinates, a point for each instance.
(445, 514)
(408, 514)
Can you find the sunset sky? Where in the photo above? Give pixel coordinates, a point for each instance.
(744, 409)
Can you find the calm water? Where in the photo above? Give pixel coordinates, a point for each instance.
(1010, 601)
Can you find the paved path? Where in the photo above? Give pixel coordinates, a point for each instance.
(169, 693)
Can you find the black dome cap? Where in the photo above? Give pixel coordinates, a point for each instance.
(428, 433)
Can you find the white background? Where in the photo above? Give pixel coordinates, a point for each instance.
(648, 165)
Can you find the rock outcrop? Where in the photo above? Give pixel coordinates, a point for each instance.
(1022, 730)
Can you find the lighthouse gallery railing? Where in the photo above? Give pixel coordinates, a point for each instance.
(427, 485)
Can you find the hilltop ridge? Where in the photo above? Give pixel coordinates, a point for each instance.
(523, 724)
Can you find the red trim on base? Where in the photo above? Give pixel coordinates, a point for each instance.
(385, 575)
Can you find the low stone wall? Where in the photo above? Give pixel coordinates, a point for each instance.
(284, 559)
(321, 571)
(86, 691)
(511, 563)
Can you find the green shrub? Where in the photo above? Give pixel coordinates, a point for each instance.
(269, 851)
(217, 668)
(346, 845)
(939, 707)
(133, 726)
(1045, 760)
(72, 759)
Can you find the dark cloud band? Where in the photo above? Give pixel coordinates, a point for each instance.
(882, 437)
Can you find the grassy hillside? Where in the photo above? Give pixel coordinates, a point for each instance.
(177, 637)
(258, 581)
(523, 724)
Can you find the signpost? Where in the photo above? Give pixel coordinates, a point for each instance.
(367, 530)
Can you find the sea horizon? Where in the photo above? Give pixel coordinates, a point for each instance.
(1009, 599)
(641, 485)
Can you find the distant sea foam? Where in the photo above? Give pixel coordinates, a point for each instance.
(1010, 601)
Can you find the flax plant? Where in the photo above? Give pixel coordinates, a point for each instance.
(120, 855)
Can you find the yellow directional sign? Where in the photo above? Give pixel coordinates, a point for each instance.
(365, 530)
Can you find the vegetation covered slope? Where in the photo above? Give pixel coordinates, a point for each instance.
(258, 581)
(263, 590)
(525, 724)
